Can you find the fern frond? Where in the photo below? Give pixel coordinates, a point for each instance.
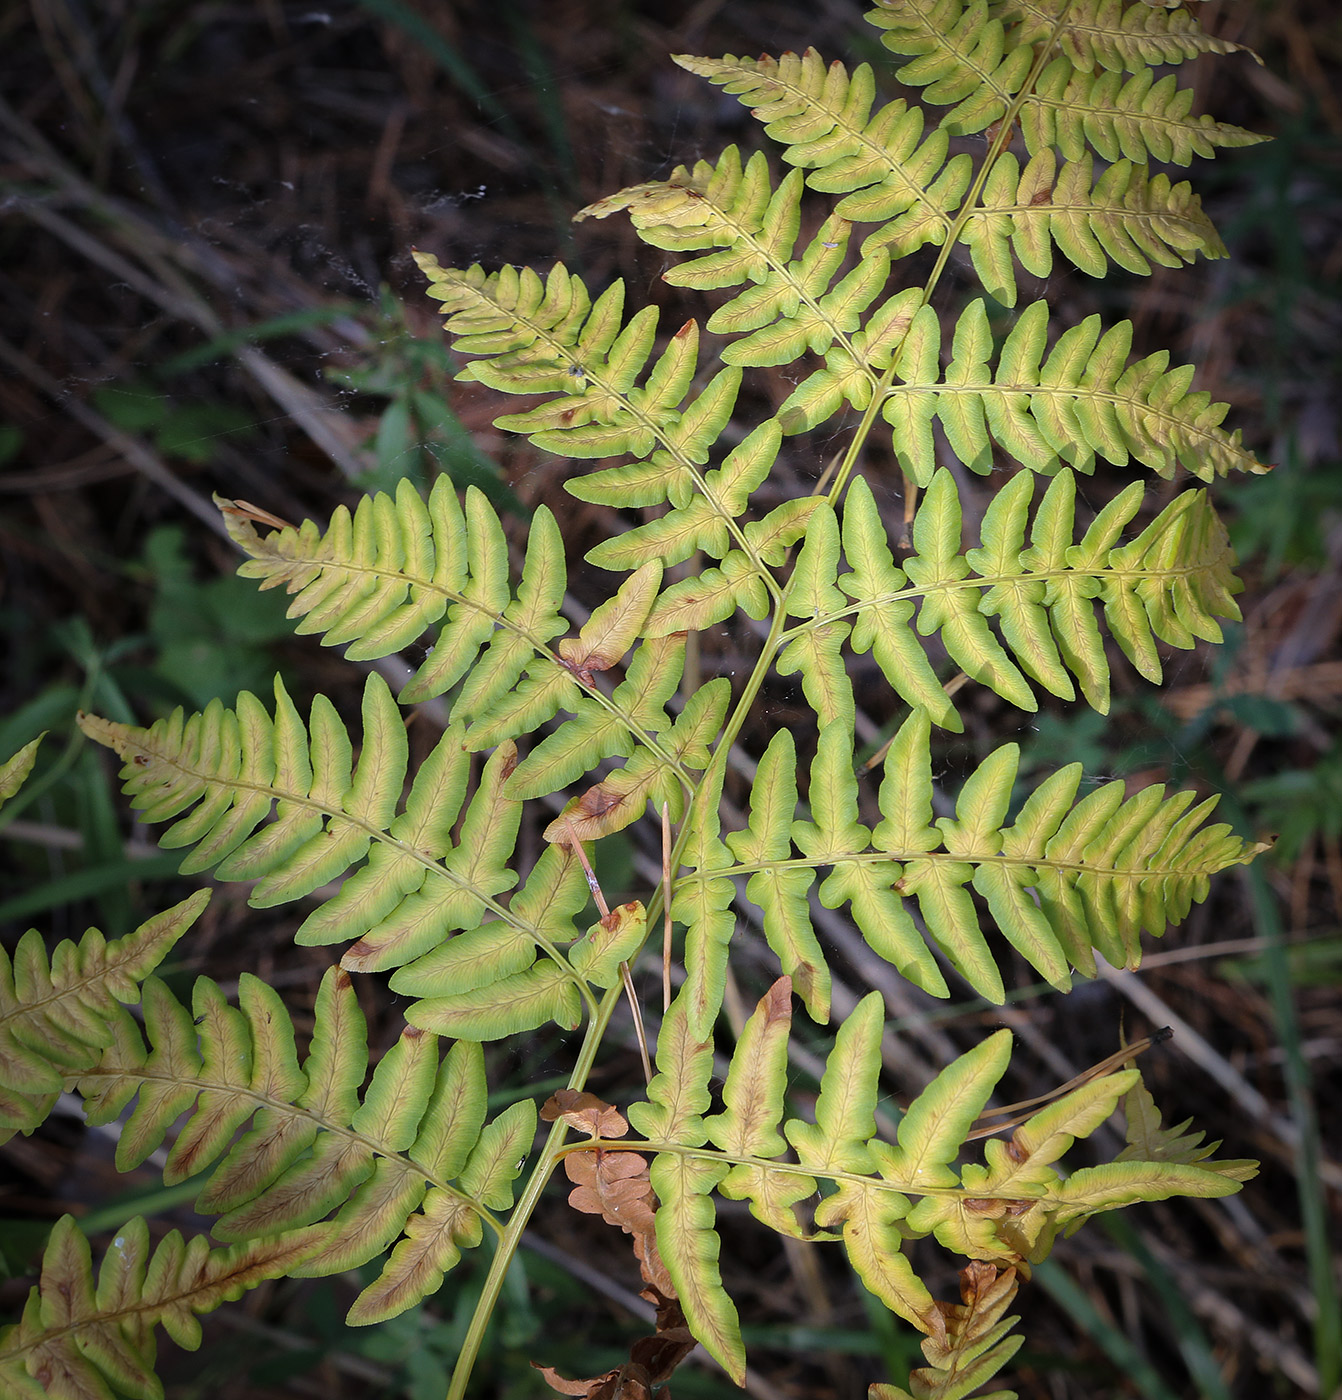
(1004, 1213)
(704, 523)
(655, 775)
(1138, 118)
(1126, 216)
(92, 1338)
(1112, 34)
(976, 57)
(1080, 400)
(1065, 878)
(959, 55)
(748, 1127)
(792, 303)
(997, 1221)
(604, 412)
(54, 1014)
(886, 166)
(377, 580)
(551, 338)
(415, 884)
(601, 731)
(1170, 584)
(742, 580)
(890, 174)
(412, 1157)
(971, 1345)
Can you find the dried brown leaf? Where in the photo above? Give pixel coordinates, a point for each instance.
(584, 1113)
(652, 1360)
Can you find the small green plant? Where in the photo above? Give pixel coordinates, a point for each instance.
(601, 722)
(186, 430)
(418, 435)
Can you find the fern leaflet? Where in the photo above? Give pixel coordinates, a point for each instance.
(54, 1014)
(411, 1159)
(1081, 400)
(880, 1194)
(415, 885)
(1065, 878)
(14, 771)
(85, 1337)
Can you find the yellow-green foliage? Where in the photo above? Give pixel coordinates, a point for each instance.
(422, 873)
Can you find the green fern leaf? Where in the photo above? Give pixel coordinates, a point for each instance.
(999, 1220)
(743, 580)
(678, 1093)
(816, 650)
(1004, 1212)
(379, 579)
(753, 1091)
(409, 1157)
(707, 519)
(498, 1155)
(704, 906)
(838, 1142)
(601, 730)
(54, 1014)
(792, 302)
(78, 1338)
(418, 883)
(655, 775)
(551, 338)
(884, 164)
(405, 1162)
(779, 890)
(542, 915)
(884, 630)
(689, 1246)
(976, 58)
(1115, 1184)
(695, 604)
(615, 939)
(1105, 34)
(1126, 217)
(753, 1110)
(1172, 583)
(959, 56)
(1138, 118)
(938, 1120)
(487, 985)
(951, 611)
(844, 1112)
(1086, 399)
(668, 474)
(520, 1002)
(1101, 870)
(14, 771)
(686, 1238)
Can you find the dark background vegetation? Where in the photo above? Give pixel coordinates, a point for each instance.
(206, 218)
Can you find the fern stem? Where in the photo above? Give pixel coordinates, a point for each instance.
(511, 1239)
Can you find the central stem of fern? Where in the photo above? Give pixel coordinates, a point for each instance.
(511, 1239)
(552, 1151)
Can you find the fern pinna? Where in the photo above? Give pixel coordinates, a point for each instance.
(598, 723)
